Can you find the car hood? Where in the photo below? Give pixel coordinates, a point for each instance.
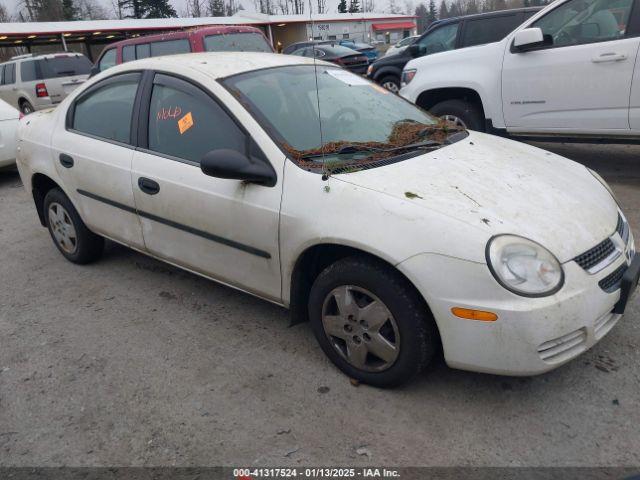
(501, 186)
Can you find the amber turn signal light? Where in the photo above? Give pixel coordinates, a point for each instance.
(469, 314)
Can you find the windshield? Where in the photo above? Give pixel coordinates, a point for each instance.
(236, 42)
(357, 121)
(64, 66)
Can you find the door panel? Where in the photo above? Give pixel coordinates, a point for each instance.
(582, 82)
(634, 105)
(93, 158)
(225, 229)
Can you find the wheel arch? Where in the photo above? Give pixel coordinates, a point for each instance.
(40, 185)
(429, 98)
(385, 71)
(313, 260)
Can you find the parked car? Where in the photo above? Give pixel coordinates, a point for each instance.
(568, 72)
(450, 34)
(370, 51)
(343, 56)
(395, 237)
(8, 124)
(289, 49)
(231, 38)
(33, 82)
(400, 46)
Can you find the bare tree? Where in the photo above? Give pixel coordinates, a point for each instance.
(322, 6)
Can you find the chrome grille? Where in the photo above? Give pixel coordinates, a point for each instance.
(611, 282)
(597, 254)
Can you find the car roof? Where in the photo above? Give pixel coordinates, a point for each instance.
(215, 64)
(44, 55)
(214, 30)
(494, 13)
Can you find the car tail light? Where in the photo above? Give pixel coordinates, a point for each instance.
(339, 61)
(41, 90)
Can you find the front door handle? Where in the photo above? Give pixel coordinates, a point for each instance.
(609, 57)
(148, 186)
(66, 160)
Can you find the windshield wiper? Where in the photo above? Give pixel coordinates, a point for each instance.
(345, 150)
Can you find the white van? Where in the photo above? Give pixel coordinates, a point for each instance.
(30, 83)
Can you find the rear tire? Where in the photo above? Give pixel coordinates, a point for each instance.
(461, 112)
(69, 233)
(26, 107)
(391, 83)
(398, 334)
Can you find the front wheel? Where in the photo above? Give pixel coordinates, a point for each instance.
(391, 83)
(26, 108)
(460, 112)
(371, 323)
(69, 233)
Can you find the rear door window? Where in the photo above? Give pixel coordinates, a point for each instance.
(105, 110)
(170, 47)
(186, 123)
(128, 53)
(143, 50)
(108, 60)
(488, 30)
(237, 42)
(9, 74)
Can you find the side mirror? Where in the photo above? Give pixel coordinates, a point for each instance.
(224, 163)
(414, 50)
(530, 39)
(95, 69)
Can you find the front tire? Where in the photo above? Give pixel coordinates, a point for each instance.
(371, 322)
(391, 83)
(69, 233)
(460, 112)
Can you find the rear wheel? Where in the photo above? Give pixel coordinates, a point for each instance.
(26, 107)
(69, 233)
(391, 83)
(460, 112)
(371, 323)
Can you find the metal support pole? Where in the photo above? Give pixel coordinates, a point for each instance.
(64, 42)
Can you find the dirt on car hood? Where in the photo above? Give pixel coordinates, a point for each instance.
(503, 186)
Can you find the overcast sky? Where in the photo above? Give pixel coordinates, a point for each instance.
(180, 5)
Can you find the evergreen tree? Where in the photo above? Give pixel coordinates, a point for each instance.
(160, 9)
(354, 6)
(69, 10)
(342, 6)
(421, 14)
(432, 14)
(444, 11)
(216, 8)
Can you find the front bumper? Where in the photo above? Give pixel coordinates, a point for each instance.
(531, 335)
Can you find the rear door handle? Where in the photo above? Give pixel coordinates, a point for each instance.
(609, 57)
(66, 160)
(148, 186)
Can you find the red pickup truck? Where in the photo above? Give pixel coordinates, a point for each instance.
(205, 39)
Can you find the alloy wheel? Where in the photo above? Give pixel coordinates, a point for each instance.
(391, 86)
(457, 121)
(62, 228)
(361, 328)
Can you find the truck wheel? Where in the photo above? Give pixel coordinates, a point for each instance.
(462, 113)
(371, 322)
(391, 83)
(26, 107)
(69, 233)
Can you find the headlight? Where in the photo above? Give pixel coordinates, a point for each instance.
(602, 181)
(407, 75)
(523, 266)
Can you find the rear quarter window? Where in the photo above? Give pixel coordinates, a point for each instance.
(64, 66)
(488, 30)
(237, 42)
(170, 47)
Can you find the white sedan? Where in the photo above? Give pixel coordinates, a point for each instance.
(310, 187)
(8, 125)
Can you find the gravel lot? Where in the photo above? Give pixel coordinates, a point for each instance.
(133, 362)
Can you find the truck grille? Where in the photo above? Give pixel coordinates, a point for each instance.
(594, 256)
(611, 282)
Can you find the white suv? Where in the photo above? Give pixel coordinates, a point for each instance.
(569, 72)
(32, 83)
